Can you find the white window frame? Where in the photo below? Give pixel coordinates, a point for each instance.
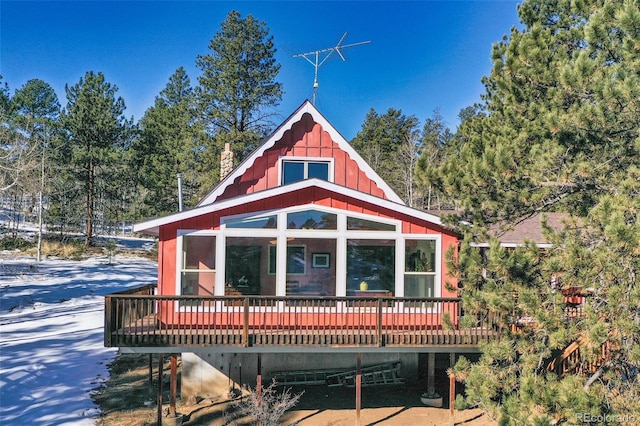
(306, 160)
(219, 280)
(340, 236)
(437, 274)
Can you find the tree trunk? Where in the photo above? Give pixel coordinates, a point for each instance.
(40, 210)
(88, 239)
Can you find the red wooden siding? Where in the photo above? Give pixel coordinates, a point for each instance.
(318, 196)
(448, 240)
(169, 314)
(306, 138)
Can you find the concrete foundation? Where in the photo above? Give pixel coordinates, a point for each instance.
(211, 375)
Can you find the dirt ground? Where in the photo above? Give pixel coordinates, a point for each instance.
(324, 406)
(128, 398)
(386, 405)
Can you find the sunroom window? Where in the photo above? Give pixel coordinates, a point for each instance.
(247, 262)
(359, 224)
(297, 170)
(198, 273)
(420, 268)
(312, 219)
(262, 222)
(371, 267)
(311, 267)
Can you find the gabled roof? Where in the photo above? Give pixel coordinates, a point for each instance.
(306, 108)
(152, 227)
(529, 229)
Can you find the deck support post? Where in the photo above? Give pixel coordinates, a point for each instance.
(240, 380)
(358, 386)
(174, 384)
(259, 378)
(452, 389)
(150, 369)
(431, 371)
(452, 398)
(160, 367)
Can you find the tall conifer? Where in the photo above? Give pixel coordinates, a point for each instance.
(558, 131)
(238, 91)
(95, 136)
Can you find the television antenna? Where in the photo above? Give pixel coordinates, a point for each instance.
(319, 57)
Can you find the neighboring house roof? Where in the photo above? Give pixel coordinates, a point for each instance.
(306, 108)
(152, 227)
(529, 229)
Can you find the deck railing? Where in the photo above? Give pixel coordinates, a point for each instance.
(139, 318)
(117, 316)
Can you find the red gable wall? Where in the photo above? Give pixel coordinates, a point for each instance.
(306, 138)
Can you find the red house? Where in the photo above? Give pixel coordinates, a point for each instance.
(302, 255)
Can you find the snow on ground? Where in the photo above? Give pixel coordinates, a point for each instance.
(52, 354)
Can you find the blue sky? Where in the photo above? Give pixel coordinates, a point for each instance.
(423, 55)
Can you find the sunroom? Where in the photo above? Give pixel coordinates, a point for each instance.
(308, 251)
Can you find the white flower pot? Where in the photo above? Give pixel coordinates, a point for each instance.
(434, 400)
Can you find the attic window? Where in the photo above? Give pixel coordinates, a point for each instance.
(297, 170)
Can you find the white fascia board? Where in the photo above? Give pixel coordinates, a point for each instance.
(306, 107)
(152, 226)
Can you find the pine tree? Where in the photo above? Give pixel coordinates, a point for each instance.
(96, 134)
(169, 143)
(37, 112)
(559, 130)
(436, 141)
(237, 92)
(389, 143)
(561, 113)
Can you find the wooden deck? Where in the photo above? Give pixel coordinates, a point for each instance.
(138, 319)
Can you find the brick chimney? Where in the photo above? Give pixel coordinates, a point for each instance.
(226, 161)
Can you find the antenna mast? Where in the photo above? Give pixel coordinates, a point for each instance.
(325, 54)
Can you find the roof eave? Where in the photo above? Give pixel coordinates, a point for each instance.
(152, 227)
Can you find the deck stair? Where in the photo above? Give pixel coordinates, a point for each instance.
(570, 361)
(375, 375)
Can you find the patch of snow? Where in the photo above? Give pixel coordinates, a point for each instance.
(52, 354)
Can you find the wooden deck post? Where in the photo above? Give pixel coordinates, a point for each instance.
(379, 324)
(452, 398)
(245, 326)
(174, 384)
(160, 366)
(431, 371)
(240, 380)
(259, 378)
(452, 389)
(150, 369)
(108, 321)
(358, 386)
